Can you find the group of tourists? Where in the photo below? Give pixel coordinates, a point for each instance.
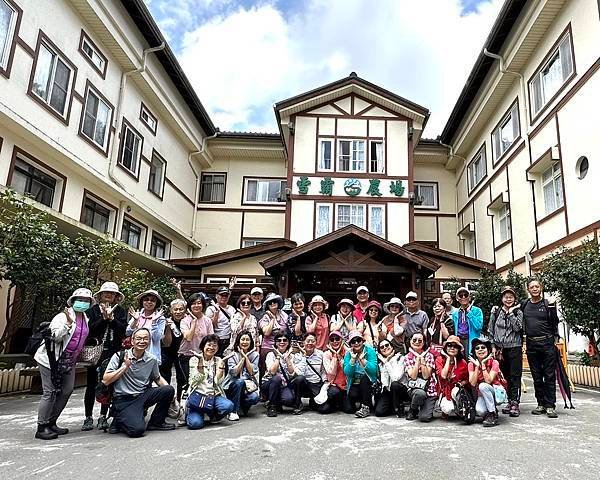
(366, 358)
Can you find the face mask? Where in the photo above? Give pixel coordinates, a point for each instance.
(80, 305)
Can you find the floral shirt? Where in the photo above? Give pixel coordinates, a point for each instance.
(410, 361)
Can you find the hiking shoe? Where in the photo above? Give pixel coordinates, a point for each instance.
(298, 410)
(114, 428)
(102, 423)
(160, 426)
(233, 417)
(412, 414)
(551, 413)
(489, 420)
(514, 410)
(506, 410)
(539, 410)
(271, 411)
(88, 424)
(44, 433)
(363, 412)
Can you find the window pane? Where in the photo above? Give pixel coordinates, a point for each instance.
(102, 119)
(566, 59)
(344, 161)
(376, 221)
(376, 154)
(89, 119)
(427, 192)
(323, 220)
(6, 22)
(552, 78)
(549, 198)
(60, 87)
(343, 216)
(43, 72)
(30, 181)
(251, 193)
(325, 160)
(274, 190)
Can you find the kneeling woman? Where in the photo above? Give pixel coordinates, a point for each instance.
(419, 365)
(276, 381)
(360, 368)
(243, 367)
(205, 378)
(485, 377)
(451, 368)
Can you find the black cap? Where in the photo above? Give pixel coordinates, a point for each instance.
(223, 290)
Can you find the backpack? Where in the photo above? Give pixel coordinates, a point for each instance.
(465, 405)
(42, 333)
(104, 393)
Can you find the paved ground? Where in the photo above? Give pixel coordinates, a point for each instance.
(310, 447)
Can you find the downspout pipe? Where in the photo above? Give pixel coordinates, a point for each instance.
(197, 175)
(117, 126)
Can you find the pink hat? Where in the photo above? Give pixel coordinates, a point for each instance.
(354, 334)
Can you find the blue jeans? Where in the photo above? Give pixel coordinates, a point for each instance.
(195, 416)
(240, 399)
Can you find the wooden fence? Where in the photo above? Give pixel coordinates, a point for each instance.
(584, 375)
(11, 381)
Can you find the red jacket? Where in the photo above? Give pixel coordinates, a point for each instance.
(458, 373)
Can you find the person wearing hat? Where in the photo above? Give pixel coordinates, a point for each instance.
(468, 320)
(506, 333)
(257, 296)
(440, 326)
(221, 314)
(56, 359)
(360, 368)
(107, 324)
(333, 362)
(344, 321)
(415, 318)
(276, 383)
(392, 325)
(451, 369)
(243, 320)
(370, 324)
(486, 379)
(317, 321)
(273, 322)
(360, 309)
(149, 315)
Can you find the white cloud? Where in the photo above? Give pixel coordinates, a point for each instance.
(243, 61)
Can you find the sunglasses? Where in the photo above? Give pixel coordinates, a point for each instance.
(149, 299)
(394, 305)
(463, 295)
(384, 345)
(452, 345)
(281, 340)
(417, 340)
(354, 341)
(480, 347)
(362, 293)
(245, 304)
(411, 300)
(334, 339)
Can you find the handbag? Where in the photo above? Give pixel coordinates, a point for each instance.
(91, 353)
(251, 385)
(202, 402)
(412, 384)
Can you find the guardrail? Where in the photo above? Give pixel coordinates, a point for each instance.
(11, 381)
(584, 375)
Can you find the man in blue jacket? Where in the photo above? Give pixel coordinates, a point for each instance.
(468, 319)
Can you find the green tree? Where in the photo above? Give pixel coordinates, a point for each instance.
(574, 275)
(135, 280)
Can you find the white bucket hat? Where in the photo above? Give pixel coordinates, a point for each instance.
(346, 301)
(154, 293)
(393, 301)
(111, 287)
(81, 293)
(318, 299)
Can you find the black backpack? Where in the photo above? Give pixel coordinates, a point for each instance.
(104, 392)
(465, 404)
(42, 333)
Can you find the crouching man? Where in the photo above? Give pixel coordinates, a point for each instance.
(133, 393)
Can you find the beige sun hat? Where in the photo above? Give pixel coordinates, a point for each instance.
(111, 287)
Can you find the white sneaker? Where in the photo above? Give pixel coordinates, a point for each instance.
(233, 417)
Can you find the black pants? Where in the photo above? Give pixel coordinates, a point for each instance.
(337, 400)
(223, 344)
(90, 393)
(305, 389)
(360, 392)
(181, 373)
(128, 411)
(278, 395)
(542, 364)
(390, 401)
(511, 366)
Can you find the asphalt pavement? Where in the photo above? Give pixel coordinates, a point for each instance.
(310, 447)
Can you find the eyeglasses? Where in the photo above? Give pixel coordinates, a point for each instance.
(417, 340)
(463, 295)
(245, 304)
(452, 345)
(281, 340)
(211, 345)
(354, 341)
(256, 294)
(480, 347)
(384, 345)
(411, 300)
(373, 310)
(150, 299)
(334, 339)
(141, 340)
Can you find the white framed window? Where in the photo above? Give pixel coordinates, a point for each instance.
(8, 22)
(552, 75)
(36, 182)
(131, 149)
(221, 280)
(92, 54)
(131, 233)
(427, 195)
(504, 222)
(252, 242)
(351, 156)
(326, 155)
(324, 219)
(351, 213)
(552, 190)
(506, 133)
(376, 157)
(156, 179)
(52, 79)
(245, 281)
(377, 220)
(470, 245)
(96, 118)
(148, 119)
(477, 169)
(264, 191)
(159, 247)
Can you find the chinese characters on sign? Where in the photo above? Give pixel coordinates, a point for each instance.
(303, 185)
(352, 186)
(397, 188)
(327, 186)
(374, 187)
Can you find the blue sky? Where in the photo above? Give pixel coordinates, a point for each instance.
(242, 56)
